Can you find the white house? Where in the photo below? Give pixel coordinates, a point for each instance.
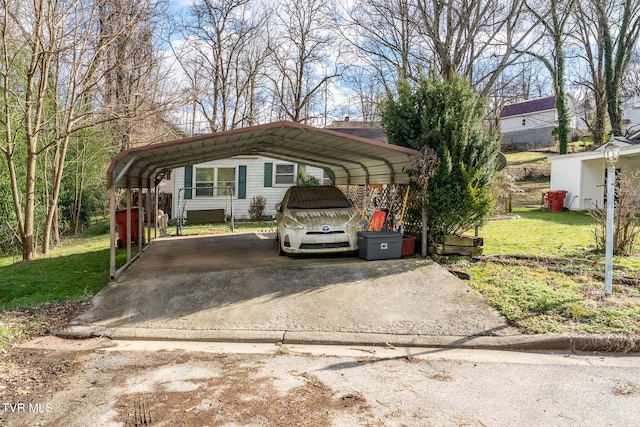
(631, 114)
(211, 190)
(531, 123)
(198, 189)
(582, 175)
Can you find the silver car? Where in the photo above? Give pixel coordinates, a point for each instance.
(317, 219)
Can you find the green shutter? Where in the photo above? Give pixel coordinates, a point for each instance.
(242, 182)
(268, 174)
(188, 182)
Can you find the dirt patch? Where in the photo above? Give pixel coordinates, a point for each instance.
(626, 388)
(240, 396)
(39, 321)
(26, 374)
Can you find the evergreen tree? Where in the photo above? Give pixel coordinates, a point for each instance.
(447, 116)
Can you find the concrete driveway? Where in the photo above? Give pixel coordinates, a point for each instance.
(236, 287)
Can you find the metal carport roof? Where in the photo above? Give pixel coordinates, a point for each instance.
(348, 159)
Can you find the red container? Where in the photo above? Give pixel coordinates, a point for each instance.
(121, 221)
(408, 246)
(556, 200)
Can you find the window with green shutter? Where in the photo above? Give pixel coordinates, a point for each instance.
(268, 174)
(188, 182)
(242, 182)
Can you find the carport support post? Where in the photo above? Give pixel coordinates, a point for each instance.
(112, 231)
(128, 220)
(149, 210)
(424, 230)
(140, 216)
(155, 220)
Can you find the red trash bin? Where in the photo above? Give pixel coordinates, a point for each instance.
(121, 222)
(556, 200)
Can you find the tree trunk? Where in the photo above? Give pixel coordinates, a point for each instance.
(28, 241)
(55, 194)
(561, 99)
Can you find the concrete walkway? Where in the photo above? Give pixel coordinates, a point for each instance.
(237, 288)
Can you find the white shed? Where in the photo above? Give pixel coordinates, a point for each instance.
(582, 175)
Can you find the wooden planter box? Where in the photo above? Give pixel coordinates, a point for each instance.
(459, 245)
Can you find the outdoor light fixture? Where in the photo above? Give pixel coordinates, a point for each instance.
(611, 154)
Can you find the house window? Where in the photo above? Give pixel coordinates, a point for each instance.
(285, 174)
(326, 179)
(207, 179)
(524, 122)
(226, 178)
(205, 182)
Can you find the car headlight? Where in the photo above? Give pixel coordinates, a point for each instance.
(291, 223)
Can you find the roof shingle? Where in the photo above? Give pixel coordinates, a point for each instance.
(531, 106)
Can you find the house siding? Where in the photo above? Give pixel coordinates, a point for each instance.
(533, 128)
(530, 137)
(255, 185)
(565, 176)
(631, 114)
(592, 187)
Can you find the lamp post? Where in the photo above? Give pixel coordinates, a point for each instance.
(611, 154)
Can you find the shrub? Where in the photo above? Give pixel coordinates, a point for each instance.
(256, 208)
(625, 220)
(447, 116)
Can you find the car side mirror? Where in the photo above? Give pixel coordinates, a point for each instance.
(279, 207)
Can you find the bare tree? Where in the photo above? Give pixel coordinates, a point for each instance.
(631, 82)
(475, 39)
(223, 55)
(620, 23)
(385, 38)
(554, 22)
(591, 38)
(303, 46)
(369, 94)
(56, 45)
(608, 35)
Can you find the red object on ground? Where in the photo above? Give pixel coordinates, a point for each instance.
(121, 221)
(556, 200)
(408, 246)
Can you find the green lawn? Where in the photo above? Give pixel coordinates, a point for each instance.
(239, 227)
(76, 270)
(534, 294)
(535, 232)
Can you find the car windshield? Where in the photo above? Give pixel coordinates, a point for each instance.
(317, 198)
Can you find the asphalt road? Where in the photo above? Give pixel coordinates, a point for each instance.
(207, 384)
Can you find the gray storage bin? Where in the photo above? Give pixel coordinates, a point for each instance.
(379, 245)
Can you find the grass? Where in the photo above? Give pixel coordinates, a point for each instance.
(539, 296)
(77, 269)
(239, 227)
(540, 301)
(535, 232)
(72, 273)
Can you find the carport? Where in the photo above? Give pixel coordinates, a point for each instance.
(347, 159)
